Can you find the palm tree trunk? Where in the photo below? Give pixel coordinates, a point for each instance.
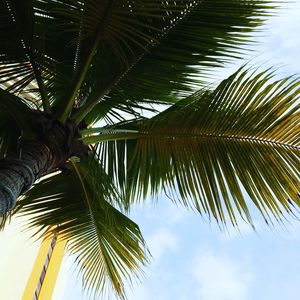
(18, 173)
(50, 150)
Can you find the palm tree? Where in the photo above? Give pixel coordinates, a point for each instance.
(100, 96)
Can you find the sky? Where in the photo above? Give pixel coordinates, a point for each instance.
(191, 258)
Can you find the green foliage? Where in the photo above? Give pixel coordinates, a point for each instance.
(245, 133)
(114, 60)
(87, 52)
(109, 245)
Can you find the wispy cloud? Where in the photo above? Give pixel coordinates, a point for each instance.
(162, 241)
(220, 278)
(282, 45)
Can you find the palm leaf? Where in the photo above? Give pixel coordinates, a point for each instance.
(188, 43)
(214, 147)
(91, 45)
(109, 246)
(20, 70)
(33, 58)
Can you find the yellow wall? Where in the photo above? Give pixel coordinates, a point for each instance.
(49, 281)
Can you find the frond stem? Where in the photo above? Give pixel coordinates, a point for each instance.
(70, 98)
(41, 85)
(84, 110)
(29, 54)
(135, 135)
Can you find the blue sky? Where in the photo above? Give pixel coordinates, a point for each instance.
(192, 259)
(195, 260)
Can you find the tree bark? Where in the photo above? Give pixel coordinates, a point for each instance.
(18, 173)
(54, 144)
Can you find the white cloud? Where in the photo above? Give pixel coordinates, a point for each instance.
(161, 242)
(279, 42)
(220, 278)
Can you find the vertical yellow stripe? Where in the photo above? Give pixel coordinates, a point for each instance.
(48, 282)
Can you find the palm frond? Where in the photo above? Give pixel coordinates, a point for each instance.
(109, 246)
(111, 34)
(19, 69)
(214, 146)
(33, 57)
(191, 39)
(91, 45)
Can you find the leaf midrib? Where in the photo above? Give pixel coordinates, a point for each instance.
(223, 136)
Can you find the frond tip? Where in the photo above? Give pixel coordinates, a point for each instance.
(109, 246)
(214, 147)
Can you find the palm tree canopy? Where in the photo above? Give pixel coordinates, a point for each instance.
(75, 63)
